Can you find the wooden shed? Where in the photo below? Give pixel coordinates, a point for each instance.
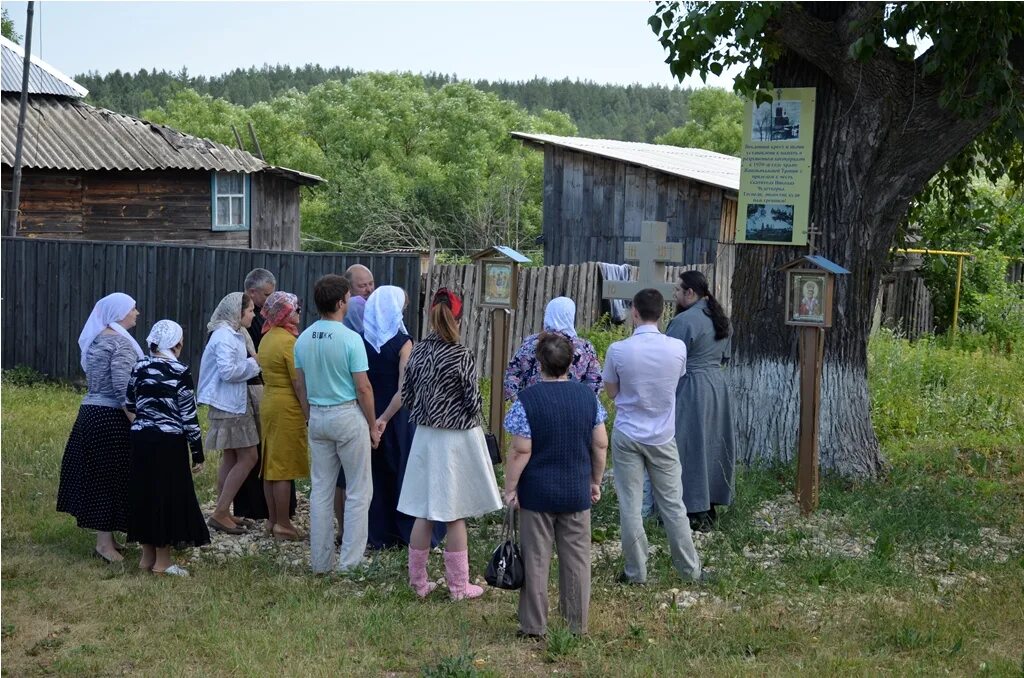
(93, 174)
(597, 192)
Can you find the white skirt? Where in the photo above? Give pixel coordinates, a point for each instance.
(449, 476)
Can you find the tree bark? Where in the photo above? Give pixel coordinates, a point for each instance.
(880, 135)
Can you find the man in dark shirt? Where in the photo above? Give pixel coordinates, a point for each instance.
(259, 284)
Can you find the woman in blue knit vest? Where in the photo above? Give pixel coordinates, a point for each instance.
(553, 476)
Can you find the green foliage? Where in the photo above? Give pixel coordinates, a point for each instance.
(23, 375)
(974, 60)
(403, 161)
(990, 222)
(929, 389)
(631, 113)
(7, 27)
(716, 123)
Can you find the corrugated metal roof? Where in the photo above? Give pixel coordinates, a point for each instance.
(698, 164)
(42, 77)
(69, 134)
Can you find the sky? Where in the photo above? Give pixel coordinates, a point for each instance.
(606, 42)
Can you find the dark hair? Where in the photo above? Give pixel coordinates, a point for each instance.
(554, 353)
(328, 291)
(649, 304)
(695, 280)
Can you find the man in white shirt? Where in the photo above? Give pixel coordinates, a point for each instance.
(641, 374)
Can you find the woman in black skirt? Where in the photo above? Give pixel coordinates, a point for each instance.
(94, 471)
(162, 500)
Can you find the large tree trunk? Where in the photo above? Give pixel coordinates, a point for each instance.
(879, 136)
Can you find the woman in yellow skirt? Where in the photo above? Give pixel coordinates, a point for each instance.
(283, 411)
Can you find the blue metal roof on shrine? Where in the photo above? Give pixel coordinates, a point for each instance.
(824, 263)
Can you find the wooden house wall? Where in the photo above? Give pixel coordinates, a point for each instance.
(165, 206)
(275, 213)
(593, 205)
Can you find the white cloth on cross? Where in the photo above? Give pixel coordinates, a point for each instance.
(617, 272)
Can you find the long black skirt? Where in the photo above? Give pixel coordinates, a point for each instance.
(162, 498)
(94, 471)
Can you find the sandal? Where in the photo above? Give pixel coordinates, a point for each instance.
(282, 534)
(173, 570)
(221, 527)
(243, 522)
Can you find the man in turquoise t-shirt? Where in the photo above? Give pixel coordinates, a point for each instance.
(330, 360)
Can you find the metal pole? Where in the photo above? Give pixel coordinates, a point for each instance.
(11, 224)
(956, 297)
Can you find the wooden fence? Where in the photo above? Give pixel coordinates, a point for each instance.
(50, 286)
(537, 286)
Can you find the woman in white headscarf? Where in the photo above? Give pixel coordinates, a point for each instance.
(388, 347)
(162, 498)
(524, 370)
(226, 365)
(94, 472)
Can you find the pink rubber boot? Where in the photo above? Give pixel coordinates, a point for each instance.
(418, 573)
(456, 573)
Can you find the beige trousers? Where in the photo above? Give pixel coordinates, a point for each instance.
(570, 532)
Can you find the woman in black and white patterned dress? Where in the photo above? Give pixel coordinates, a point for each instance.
(163, 507)
(449, 476)
(94, 471)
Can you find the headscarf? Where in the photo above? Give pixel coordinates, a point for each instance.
(560, 316)
(446, 296)
(354, 314)
(229, 314)
(106, 313)
(165, 335)
(277, 312)
(382, 320)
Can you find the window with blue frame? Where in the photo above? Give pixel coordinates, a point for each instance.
(230, 207)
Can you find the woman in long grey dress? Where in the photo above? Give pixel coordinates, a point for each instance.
(704, 429)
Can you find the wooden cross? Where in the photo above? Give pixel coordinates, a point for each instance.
(652, 253)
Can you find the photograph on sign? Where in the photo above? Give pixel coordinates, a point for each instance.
(806, 293)
(778, 121)
(769, 223)
(775, 175)
(497, 283)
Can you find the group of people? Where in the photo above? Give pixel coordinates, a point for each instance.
(389, 432)
(672, 426)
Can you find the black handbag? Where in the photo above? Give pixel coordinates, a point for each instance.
(492, 448)
(505, 571)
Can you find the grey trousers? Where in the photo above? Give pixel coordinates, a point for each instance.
(339, 438)
(571, 534)
(630, 458)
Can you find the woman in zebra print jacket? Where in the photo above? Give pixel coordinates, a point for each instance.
(449, 476)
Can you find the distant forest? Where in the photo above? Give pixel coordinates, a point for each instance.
(629, 113)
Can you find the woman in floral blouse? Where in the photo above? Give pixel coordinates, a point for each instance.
(524, 371)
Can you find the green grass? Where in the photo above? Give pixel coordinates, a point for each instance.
(928, 595)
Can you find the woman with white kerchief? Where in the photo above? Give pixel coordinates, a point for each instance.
(228, 363)
(388, 347)
(94, 472)
(523, 370)
(163, 509)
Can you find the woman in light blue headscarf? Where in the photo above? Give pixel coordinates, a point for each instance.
(354, 315)
(388, 347)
